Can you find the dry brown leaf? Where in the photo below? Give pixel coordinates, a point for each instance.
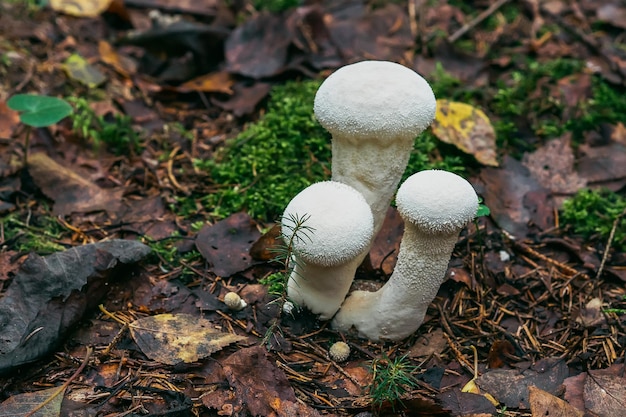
(545, 404)
(176, 338)
(215, 82)
(70, 191)
(467, 128)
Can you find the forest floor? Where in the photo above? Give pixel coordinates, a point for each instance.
(191, 129)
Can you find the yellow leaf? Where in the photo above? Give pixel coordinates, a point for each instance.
(80, 70)
(467, 128)
(175, 338)
(80, 8)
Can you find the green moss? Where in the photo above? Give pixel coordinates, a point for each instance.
(275, 6)
(591, 214)
(38, 234)
(282, 153)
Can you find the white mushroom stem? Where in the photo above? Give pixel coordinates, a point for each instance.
(435, 206)
(374, 110)
(336, 228)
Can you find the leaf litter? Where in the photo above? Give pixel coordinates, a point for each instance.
(539, 297)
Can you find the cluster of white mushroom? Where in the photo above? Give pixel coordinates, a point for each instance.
(373, 131)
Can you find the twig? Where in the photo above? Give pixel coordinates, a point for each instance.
(482, 16)
(605, 256)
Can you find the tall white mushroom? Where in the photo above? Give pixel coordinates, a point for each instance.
(435, 206)
(374, 110)
(337, 226)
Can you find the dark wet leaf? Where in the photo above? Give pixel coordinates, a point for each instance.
(465, 403)
(50, 294)
(226, 244)
(258, 47)
(510, 387)
(70, 191)
(260, 386)
(511, 194)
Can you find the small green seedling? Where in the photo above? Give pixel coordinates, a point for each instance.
(38, 111)
(391, 378)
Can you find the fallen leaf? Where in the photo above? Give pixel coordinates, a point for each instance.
(80, 8)
(545, 404)
(23, 404)
(215, 82)
(70, 191)
(510, 386)
(433, 343)
(261, 386)
(265, 248)
(122, 64)
(591, 315)
(176, 338)
(9, 119)
(499, 354)
(605, 395)
(82, 71)
(50, 294)
(467, 128)
(552, 165)
(226, 244)
(515, 197)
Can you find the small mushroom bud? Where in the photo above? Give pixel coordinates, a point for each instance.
(339, 351)
(234, 302)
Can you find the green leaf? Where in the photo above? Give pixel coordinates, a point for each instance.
(483, 210)
(39, 111)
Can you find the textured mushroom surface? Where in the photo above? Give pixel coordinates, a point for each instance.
(435, 206)
(328, 226)
(374, 110)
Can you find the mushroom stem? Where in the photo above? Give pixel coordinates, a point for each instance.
(321, 288)
(358, 164)
(336, 229)
(435, 206)
(374, 110)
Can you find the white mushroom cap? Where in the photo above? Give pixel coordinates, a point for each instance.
(377, 100)
(437, 201)
(328, 247)
(337, 223)
(374, 110)
(435, 206)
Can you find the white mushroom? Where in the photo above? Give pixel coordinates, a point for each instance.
(234, 302)
(435, 206)
(337, 226)
(374, 110)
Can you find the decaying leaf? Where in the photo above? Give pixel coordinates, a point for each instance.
(226, 244)
(467, 128)
(49, 401)
(50, 294)
(176, 338)
(70, 191)
(545, 404)
(82, 71)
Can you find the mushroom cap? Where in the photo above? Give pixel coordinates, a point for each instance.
(375, 99)
(336, 223)
(234, 301)
(339, 351)
(437, 201)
